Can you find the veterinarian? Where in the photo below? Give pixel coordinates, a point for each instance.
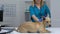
(38, 10)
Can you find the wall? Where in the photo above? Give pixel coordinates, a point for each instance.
(19, 18)
(55, 11)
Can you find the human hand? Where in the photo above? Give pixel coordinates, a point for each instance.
(40, 20)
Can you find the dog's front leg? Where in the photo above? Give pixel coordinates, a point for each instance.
(42, 28)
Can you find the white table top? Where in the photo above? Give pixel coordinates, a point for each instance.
(54, 30)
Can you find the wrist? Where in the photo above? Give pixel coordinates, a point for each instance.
(40, 20)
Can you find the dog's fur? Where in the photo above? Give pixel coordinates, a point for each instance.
(33, 27)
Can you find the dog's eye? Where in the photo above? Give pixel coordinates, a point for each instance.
(47, 22)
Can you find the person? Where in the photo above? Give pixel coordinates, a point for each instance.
(39, 10)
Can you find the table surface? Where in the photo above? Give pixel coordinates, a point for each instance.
(54, 30)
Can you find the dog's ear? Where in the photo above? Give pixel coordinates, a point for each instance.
(48, 19)
(43, 18)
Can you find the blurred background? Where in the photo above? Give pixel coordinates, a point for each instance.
(15, 12)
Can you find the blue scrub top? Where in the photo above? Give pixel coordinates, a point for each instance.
(43, 11)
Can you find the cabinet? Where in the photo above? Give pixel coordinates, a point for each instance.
(27, 16)
(1, 15)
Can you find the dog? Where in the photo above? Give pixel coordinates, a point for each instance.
(32, 27)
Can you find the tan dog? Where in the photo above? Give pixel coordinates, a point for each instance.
(32, 27)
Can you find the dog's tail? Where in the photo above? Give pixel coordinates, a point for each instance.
(16, 29)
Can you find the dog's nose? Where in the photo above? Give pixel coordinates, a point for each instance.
(49, 25)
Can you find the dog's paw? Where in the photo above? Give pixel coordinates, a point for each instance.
(48, 31)
(45, 31)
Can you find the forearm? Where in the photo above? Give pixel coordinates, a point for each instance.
(35, 18)
(49, 14)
